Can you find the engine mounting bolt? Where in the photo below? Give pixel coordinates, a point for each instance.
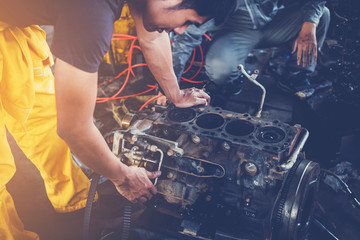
(251, 168)
(153, 148)
(208, 198)
(195, 139)
(226, 146)
(170, 152)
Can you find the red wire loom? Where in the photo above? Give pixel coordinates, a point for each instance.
(129, 70)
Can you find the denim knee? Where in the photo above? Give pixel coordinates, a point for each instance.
(221, 71)
(217, 70)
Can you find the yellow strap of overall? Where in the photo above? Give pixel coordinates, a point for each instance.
(23, 53)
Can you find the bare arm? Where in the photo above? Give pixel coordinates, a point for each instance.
(75, 100)
(157, 52)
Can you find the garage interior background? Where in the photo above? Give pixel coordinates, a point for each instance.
(332, 117)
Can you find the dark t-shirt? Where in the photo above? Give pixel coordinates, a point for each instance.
(83, 28)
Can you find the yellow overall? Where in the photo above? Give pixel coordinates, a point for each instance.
(28, 111)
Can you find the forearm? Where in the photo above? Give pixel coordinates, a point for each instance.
(309, 27)
(162, 67)
(75, 101)
(157, 52)
(88, 145)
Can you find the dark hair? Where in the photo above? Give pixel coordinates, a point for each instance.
(218, 9)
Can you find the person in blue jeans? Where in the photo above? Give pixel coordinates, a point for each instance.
(259, 24)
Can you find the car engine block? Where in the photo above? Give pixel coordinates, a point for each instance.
(225, 175)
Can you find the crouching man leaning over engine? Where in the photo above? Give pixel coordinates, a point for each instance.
(36, 109)
(300, 25)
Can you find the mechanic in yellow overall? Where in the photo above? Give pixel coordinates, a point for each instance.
(36, 116)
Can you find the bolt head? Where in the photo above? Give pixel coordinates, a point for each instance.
(251, 168)
(170, 152)
(195, 139)
(226, 146)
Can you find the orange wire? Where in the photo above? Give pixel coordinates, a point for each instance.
(102, 100)
(130, 56)
(129, 70)
(124, 35)
(190, 81)
(119, 38)
(125, 82)
(192, 61)
(127, 77)
(202, 63)
(207, 36)
(149, 101)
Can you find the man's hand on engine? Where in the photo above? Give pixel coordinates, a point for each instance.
(306, 45)
(192, 97)
(136, 185)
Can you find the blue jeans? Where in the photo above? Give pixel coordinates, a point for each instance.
(233, 41)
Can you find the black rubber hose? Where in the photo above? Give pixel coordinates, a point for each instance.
(89, 203)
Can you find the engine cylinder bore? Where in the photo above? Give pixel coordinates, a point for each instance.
(270, 134)
(239, 128)
(210, 121)
(181, 114)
